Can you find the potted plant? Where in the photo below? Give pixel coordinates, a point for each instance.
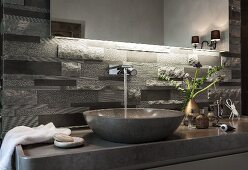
(192, 86)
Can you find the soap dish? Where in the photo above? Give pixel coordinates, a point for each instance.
(76, 143)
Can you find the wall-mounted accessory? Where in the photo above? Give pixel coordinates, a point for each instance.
(195, 41)
(215, 37)
(232, 107)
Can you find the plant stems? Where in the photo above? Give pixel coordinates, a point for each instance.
(200, 91)
(193, 84)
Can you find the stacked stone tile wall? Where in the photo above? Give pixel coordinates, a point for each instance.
(55, 79)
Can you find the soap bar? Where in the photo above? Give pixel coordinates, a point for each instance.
(60, 137)
(77, 141)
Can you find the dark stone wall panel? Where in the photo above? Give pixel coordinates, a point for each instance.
(26, 13)
(64, 98)
(38, 3)
(151, 95)
(21, 38)
(53, 82)
(35, 50)
(32, 67)
(19, 2)
(10, 122)
(63, 120)
(19, 97)
(26, 26)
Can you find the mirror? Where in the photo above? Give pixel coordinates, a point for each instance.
(160, 22)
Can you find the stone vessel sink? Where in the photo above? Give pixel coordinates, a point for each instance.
(136, 126)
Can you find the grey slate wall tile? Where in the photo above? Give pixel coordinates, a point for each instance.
(79, 52)
(10, 122)
(94, 70)
(14, 48)
(26, 26)
(32, 67)
(38, 3)
(64, 98)
(26, 13)
(71, 69)
(21, 38)
(19, 97)
(172, 59)
(19, 2)
(142, 57)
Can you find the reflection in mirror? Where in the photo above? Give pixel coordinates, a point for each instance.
(160, 22)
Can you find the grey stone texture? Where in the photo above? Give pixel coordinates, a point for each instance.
(80, 77)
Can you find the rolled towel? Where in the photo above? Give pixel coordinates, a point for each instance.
(23, 135)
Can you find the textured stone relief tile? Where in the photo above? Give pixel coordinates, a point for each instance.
(20, 77)
(63, 98)
(18, 83)
(18, 2)
(233, 94)
(26, 26)
(100, 43)
(11, 122)
(32, 67)
(235, 31)
(152, 95)
(209, 60)
(141, 47)
(180, 50)
(71, 69)
(227, 73)
(115, 55)
(19, 97)
(30, 49)
(134, 94)
(110, 96)
(25, 110)
(236, 74)
(234, 22)
(21, 38)
(157, 83)
(191, 71)
(161, 104)
(26, 13)
(28, 8)
(234, 40)
(206, 52)
(148, 70)
(38, 3)
(176, 95)
(192, 58)
(88, 85)
(173, 72)
(143, 57)
(235, 48)
(54, 82)
(172, 59)
(235, 15)
(63, 120)
(94, 70)
(80, 52)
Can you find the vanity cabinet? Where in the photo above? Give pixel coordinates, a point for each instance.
(230, 162)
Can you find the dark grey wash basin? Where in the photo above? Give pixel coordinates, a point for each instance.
(139, 125)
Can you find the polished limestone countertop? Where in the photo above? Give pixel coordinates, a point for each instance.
(97, 154)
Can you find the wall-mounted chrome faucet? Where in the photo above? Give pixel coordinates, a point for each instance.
(119, 70)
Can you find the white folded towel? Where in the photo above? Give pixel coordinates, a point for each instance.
(23, 135)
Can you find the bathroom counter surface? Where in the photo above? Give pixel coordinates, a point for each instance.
(97, 154)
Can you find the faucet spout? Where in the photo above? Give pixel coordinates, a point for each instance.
(119, 70)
